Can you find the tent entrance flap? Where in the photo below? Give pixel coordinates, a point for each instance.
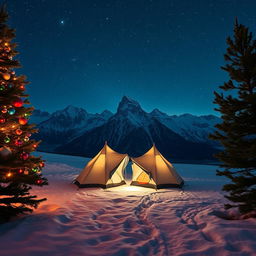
(141, 177)
(116, 176)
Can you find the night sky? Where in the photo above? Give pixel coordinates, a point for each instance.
(165, 54)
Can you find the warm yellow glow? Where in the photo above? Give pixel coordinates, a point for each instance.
(133, 188)
(128, 188)
(9, 174)
(143, 178)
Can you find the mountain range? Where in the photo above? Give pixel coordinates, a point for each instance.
(130, 130)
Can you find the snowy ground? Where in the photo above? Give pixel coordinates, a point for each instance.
(127, 220)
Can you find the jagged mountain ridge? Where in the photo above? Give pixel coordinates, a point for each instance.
(130, 130)
(64, 125)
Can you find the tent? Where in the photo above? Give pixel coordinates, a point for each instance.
(153, 170)
(105, 170)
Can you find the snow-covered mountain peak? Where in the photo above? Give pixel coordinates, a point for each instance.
(74, 110)
(128, 105)
(157, 113)
(186, 115)
(106, 114)
(71, 111)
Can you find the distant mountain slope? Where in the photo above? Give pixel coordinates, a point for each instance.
(194, 128)
(65, 125)
(130, 130)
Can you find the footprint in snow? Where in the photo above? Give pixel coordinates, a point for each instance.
(63, 219)
(91, 242)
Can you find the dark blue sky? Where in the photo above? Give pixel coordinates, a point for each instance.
(89, 53)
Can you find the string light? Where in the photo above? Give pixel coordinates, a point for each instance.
(9, 174)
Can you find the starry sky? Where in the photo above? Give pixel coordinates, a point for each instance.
(165, 54)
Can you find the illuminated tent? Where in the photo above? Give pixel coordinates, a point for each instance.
(105, 170)
(153, 170)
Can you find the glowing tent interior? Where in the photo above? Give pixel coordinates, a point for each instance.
(153, 170)
(105, 170)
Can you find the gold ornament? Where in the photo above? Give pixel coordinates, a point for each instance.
(26, 139)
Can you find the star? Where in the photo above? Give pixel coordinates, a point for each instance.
(62, 22)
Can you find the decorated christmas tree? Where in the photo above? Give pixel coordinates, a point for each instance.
(237, 131)
(19, 169)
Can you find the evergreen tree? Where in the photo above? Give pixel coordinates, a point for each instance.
(237, 131)
(18, 168)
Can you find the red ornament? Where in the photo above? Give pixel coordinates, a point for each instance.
(24, 156)
(20, 171)
(39, 181)
(35, 145)
(41, 164)
(2, 120)
(18, 142)
(23, 121)
(18, 131)
(22, 87)
(17, 103)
